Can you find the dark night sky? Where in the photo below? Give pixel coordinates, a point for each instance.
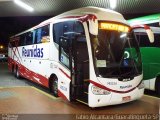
(13, 25)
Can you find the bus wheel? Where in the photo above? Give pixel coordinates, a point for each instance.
(17, 73)
(158, 85)
(54, 85)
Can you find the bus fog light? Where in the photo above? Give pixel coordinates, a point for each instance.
(141, 86)
(98, 91)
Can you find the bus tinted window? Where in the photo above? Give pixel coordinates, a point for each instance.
(57, 32)
(144, 41)
(38, 36)
(79, 28)
(22, 40)
(68, 29)
(41, 33)
(29, 38)
(62, 29)
(45, 31)
(157, 40)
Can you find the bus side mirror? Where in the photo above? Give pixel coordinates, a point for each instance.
(93, 26)
(148, 31)
(150, 35)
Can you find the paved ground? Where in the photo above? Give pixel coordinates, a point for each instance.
(7, 79)
(27, 100)
(30, 100)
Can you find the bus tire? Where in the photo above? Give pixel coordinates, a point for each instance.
(54, 85)
(17, 75)
(158, 85)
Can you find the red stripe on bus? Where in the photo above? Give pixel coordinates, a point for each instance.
(115, 91)
(84, 18)
(28, 74)
(60, 94)
(65, 73)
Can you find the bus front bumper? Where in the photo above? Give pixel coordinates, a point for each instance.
(113, 98)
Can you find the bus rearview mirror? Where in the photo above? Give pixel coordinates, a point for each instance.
(150, 35)
(93, 26)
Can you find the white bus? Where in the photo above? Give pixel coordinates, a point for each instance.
(88, 55)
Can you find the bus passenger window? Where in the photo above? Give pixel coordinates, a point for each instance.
(22, 40)
(29, 38)
(45, 34)
(42, 35)
(45, 31)
(38, 36)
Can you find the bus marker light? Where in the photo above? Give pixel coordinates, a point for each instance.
(24, 5)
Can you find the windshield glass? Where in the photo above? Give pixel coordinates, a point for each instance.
(116, 53)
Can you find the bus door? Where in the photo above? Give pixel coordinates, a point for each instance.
(75, 45)
(63, 37)
(80, 71)
(81, 66)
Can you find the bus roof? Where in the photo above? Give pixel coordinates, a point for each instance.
(100, 13)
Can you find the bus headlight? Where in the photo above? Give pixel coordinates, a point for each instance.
(141, 86)
(99, 91)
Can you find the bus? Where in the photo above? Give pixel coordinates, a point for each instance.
(150, 53)
(89, 55)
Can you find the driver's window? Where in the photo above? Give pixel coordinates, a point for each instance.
(81, 48)
(61, 30)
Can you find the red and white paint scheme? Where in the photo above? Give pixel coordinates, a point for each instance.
(88, 55)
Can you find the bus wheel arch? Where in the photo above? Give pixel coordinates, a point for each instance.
(53, 84)
(157, 84)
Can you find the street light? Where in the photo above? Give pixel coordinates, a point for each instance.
(1, 47)
(24, 5)
(113, 4)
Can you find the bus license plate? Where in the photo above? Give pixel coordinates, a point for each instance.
(127, 98)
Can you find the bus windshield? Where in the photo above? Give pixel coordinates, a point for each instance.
(116, 53)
